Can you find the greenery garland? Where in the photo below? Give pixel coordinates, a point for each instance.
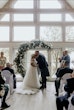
(22, 50)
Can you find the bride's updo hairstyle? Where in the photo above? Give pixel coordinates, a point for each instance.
(32, 56)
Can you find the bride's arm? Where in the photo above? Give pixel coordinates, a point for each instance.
(34, 64)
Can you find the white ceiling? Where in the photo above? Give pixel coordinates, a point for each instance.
(71, 3)
(3, 2)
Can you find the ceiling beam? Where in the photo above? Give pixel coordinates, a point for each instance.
(65, 4)
(9, 3)
(11, 10)
(6, 6)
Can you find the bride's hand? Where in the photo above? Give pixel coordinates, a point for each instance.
(34, 65)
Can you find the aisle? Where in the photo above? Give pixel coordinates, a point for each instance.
(43, 100)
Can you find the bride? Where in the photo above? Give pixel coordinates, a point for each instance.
(31, 82)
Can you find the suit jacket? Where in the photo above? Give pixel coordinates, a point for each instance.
(63, 71)
(69, 87)
(70, 82)
(1, 80)
(43, 65)
(42, 61)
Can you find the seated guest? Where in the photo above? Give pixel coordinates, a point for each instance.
(59, 74)
(69, 87)
(61, 102)
(8, 67)
(65, 57)
(57, 81)
(2, 83)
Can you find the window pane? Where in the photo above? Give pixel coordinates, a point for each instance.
(69, 17)
(71, 54)
(24, 33)
(4, 17)
(23, 17)
(50, 4)
(55, 55)
(50, 17)
(15, 50)
(70, 33)
(4, 33)
(23, 4)
(52, 33)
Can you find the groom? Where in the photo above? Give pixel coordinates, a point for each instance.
(43, 66)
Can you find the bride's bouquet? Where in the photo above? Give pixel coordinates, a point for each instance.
(2, 91)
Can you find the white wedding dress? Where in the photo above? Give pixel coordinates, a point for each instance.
(31, 82)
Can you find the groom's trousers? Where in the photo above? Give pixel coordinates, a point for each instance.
(44, 81)
(43, 75)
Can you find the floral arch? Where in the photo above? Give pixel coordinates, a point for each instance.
(23, 49)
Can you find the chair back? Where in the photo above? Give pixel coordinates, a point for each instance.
(66, 76)
(8, 78)
(63, 81)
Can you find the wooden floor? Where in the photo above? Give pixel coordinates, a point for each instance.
(43, 100)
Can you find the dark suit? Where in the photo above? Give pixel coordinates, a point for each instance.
(69, 87)
(14, 77)
(43, 65)
(62, 101)
(59, 74)
(2, 82)
(63, 71)
(72, 100)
